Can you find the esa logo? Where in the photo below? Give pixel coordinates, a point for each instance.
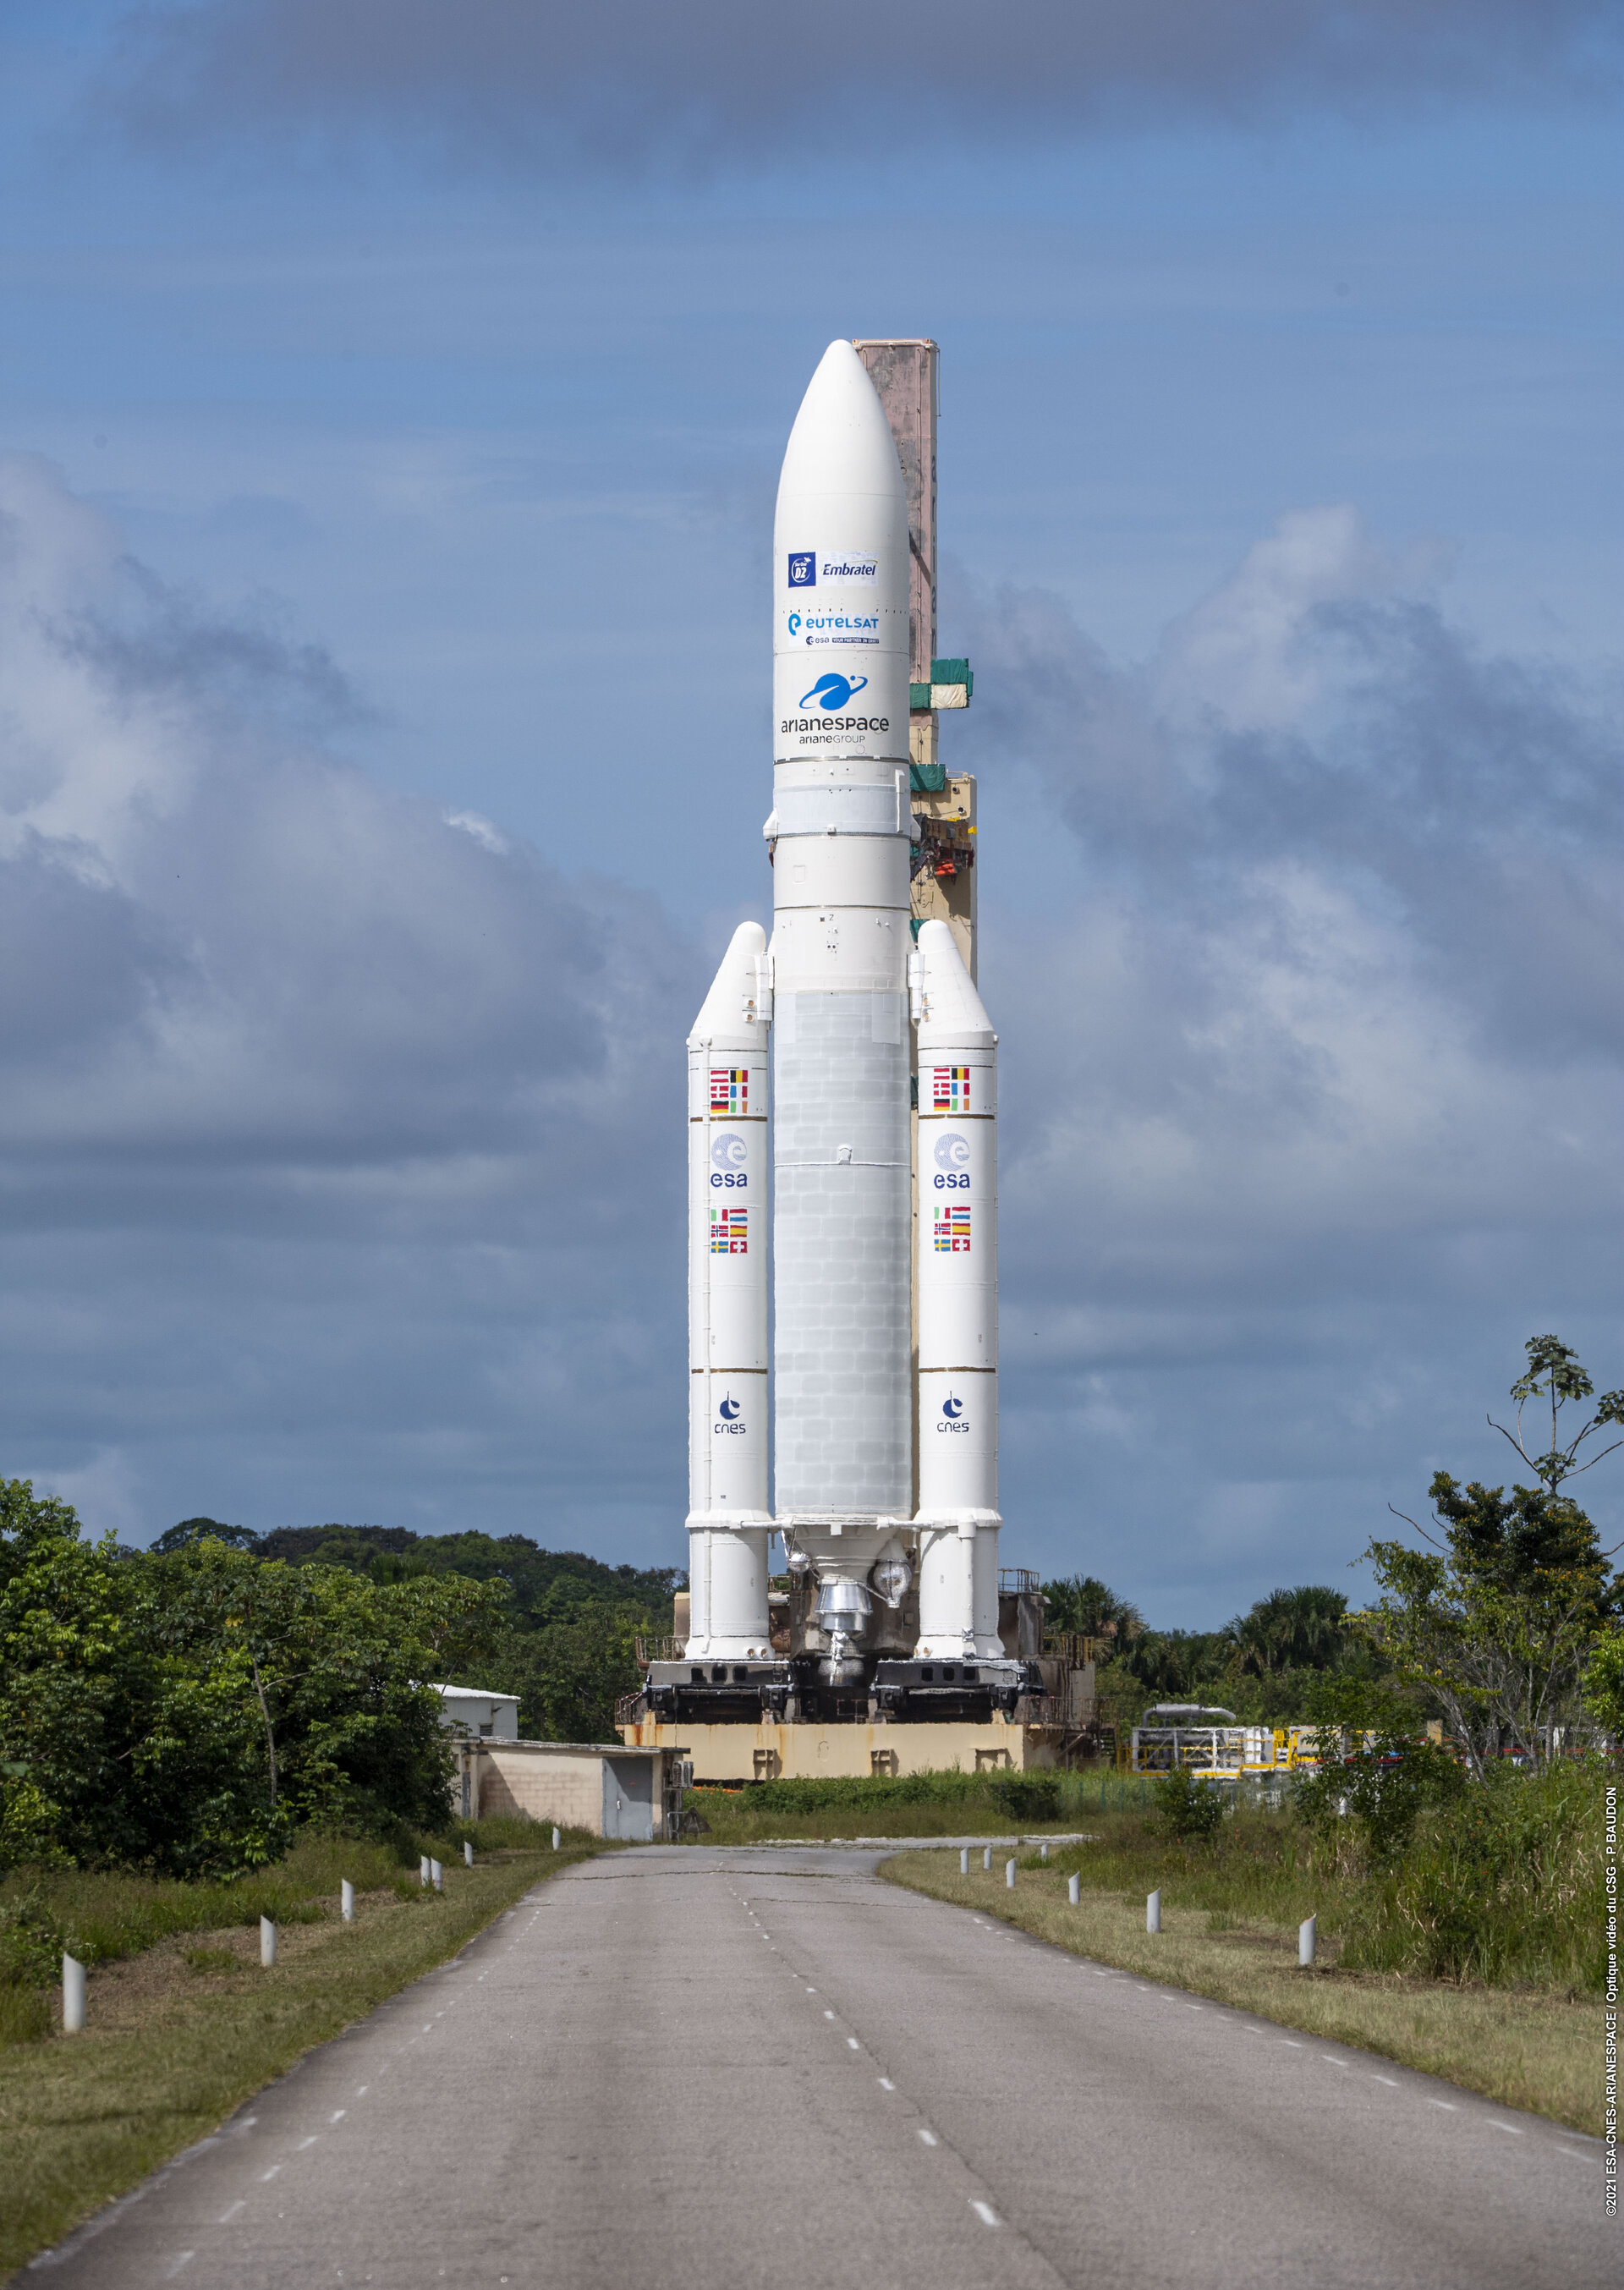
(952, 1414)
(727, 1157)
(730, 1418)
(803, 568)
(952, 1163)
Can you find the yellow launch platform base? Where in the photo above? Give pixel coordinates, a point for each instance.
(772, 1751)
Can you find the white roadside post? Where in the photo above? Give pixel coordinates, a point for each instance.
(964, 1861)
(1042, 1850)
(346, 1900)
(987, 1857)
(1153, 1912)
(73, 1997)
(1304, 1940)
(422, 1869)
(467, 1854)
(268, 1942)
(437, 1876)
(558, 1840)
(1009, 1875)
(1073, 1890)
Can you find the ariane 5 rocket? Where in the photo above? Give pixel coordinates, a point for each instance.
(843, 1193)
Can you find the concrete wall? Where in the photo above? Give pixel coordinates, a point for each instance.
(772, 1752)
(611, 1792)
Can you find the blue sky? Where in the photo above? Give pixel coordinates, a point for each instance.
(392, 424)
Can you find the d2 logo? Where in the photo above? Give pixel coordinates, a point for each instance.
(803, 568)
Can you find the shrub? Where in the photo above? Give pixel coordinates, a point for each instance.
(1027, 1796)
(1189, 1807)
(1501, 1886)
(31, 1942)
(1381, 1787)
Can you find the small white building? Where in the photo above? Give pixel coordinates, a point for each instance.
(468, 1711)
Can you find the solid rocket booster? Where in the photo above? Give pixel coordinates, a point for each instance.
(837, 989)
(728, 1513)
(958, 1289)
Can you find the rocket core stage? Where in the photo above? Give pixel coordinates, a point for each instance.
(895, 1603)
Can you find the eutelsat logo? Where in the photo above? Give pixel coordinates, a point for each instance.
(803, 568)
(832, 691)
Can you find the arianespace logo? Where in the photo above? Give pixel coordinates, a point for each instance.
(803, 568)
(832, 691)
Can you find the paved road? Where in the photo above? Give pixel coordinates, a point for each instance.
(719, 2069)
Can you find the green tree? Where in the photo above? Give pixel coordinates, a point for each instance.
(1290, 1629)
(1083, 1604)
(1604, 1685)
(188, 1711)
(1555, 1377)
(1496, 1621)
(194, 1530)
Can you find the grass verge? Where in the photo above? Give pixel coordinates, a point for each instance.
(1524, 2047)
(180, 2035)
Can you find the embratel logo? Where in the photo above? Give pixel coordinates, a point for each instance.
(831, 692)
(730, 1232)
(952, 1228)
(951, 1089)
(730, 1089)
(803, 568)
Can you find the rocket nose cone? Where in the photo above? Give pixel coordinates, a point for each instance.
(841, 440)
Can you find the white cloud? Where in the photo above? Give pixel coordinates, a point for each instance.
(255, 1010)
(1314, 1067)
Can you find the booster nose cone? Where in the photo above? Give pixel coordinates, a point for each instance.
(840, 639)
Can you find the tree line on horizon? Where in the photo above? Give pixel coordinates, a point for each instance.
(189, 1707)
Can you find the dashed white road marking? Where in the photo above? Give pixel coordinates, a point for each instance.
(1291, 2043)
(1391, 2081)
(1448, 2105)
(362, 2089)
(310, 2141)
(828, 2016)
(226, 2216)
(179, 2263)
(270, 2174)
(1515, 2129)
(338, 2115)
(886, 2084)
(1331, 2060)
(927, 2138)
(986, 2213)
(853, 2045)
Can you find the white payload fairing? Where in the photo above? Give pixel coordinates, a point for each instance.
(881, 1231)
